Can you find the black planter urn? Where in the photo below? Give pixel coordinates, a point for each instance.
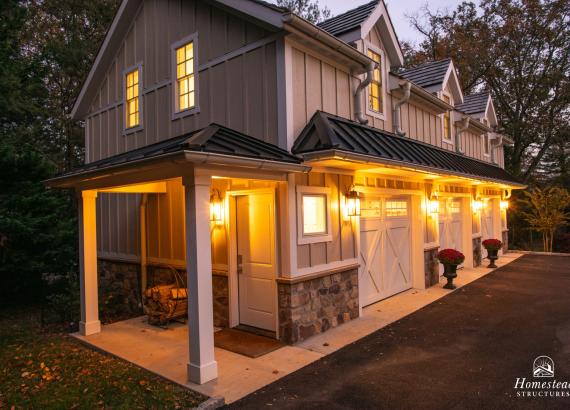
(450, 272)
(492, 255)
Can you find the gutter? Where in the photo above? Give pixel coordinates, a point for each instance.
(333, 154)
(406, 87)
(322, 36)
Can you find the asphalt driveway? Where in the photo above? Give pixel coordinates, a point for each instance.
(463, 351)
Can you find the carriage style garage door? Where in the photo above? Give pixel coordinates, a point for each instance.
(450, 220)
(384, 248)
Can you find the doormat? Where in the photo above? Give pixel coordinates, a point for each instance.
(245, 343)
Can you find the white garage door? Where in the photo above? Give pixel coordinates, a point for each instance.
(384, 248)
(450, 221)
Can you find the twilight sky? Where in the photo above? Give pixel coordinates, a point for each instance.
(397, 9)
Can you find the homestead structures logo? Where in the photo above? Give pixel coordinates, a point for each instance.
(543, 366)
(543, 383)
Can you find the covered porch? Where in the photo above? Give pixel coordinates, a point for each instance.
(197, 163)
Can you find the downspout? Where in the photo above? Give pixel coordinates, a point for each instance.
(458, 132)
(406, 88)
(495, 145)
(358, 113)
(142, 216)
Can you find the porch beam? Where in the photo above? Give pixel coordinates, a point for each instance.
(148, 188)
(89, 323)
(202, 366)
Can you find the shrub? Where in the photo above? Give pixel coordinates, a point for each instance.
(450, 257)
(492, 244)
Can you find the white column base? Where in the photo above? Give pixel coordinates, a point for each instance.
(89, 328)
(202, 374)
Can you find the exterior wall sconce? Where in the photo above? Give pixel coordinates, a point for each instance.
(477, 205)
(433, 206)
(216, 207)
(504, 205)
(352, 203)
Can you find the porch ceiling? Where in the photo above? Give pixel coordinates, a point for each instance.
(331, 138)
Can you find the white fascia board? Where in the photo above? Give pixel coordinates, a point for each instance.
(490, 112)
(119, 27)
(455, 87)
(381, 18)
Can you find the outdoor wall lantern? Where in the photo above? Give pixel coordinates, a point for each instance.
(433, 206)
(216, 207)
(477, 205)
(352, 204)
(504, 205)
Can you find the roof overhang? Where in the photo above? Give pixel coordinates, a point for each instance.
(418, 95)
(475, 126)
(307, 33)
(333, 158)
(167, 166)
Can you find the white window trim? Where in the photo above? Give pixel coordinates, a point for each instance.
(138, 66)
(379, 51)
(313, 238)
(449, 140)
(192, 38)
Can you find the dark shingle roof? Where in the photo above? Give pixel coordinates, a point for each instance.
(349, 20)
(474, 103)
(214, 139)
(427, 74)
(326, 131)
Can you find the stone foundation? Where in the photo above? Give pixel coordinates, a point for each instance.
(221, 300)
(119, 290)
(477, 255)
(431, 267)
(505, 240)
(313, 306)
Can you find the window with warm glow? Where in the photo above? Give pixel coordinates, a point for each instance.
(185, 77)
(447, 120)
(486, 143)
(314, 214)
(455, 207)
(132, 115)
(375, 97)
(396, 208)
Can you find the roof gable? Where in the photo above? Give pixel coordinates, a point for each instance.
(435, 76)
(479, 105)
(329, 132)
(356, 23)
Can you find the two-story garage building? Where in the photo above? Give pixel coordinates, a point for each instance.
(295, 172)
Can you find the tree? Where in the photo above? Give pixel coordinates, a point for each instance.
(310, 10)
(520, 51)
(546, 211)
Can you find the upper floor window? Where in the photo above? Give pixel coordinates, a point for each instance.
(132, 99)
(447, 120)
(486, 143)
(375, 94)
(185, 87)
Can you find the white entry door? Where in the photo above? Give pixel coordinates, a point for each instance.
(450, 222)
(486, 224)
(255, 227)
(384, 249)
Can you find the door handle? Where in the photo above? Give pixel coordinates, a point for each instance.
(239, 264)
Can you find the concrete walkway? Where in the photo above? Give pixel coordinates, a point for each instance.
(464, 351)
(165, 352)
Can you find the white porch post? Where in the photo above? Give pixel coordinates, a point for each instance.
(89, 323)
(202, 366)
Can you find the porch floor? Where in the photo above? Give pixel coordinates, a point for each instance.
(165, 351)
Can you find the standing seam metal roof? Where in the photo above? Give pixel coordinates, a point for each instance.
(328, 132)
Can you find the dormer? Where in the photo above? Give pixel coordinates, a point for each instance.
(438, 77)
(480, 107)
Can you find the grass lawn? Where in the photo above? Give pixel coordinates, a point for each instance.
(47, 369)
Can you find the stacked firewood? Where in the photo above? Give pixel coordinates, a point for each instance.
(164, 303)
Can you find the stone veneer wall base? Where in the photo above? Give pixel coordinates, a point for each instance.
(431, 267)
(313, 306)
(477, 254)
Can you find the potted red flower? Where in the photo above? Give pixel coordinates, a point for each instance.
(492, 246)
(450, 259)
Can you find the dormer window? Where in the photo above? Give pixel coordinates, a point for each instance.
(185, 76)
(376, 88)
(447, 120)
(486, 144)
(132, 103)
